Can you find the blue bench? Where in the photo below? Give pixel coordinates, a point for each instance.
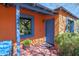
(6, 48)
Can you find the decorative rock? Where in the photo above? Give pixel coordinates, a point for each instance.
(54, 51)
(37, 51)
(27, 52)
(39, 54)
(53, 55)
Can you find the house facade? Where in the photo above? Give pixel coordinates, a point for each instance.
(64, 18)
(39, 23)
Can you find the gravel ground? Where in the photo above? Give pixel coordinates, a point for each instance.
(37, 51)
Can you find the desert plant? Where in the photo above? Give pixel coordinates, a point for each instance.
(26, 42)
(68, 44)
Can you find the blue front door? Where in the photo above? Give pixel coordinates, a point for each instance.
(49, 29)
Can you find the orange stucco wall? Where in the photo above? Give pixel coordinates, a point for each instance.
(7, 23)
(39, 25)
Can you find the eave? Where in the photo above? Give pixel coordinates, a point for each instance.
(36, 8)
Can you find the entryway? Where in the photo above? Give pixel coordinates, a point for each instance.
(49, 31)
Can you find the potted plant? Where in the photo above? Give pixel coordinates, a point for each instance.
(26, 44)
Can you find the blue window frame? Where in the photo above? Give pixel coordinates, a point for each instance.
(69, 25)
(26, 26)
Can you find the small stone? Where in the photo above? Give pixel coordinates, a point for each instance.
(54, 51)
(53, 55)
(39, 55)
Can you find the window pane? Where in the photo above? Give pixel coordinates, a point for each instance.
(25, 26)
(70, 26)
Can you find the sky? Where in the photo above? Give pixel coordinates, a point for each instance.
(73, 8)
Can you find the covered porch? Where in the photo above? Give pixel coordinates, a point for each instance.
(39, 27)
(47, 42)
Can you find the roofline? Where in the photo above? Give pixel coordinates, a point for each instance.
(44, 7)
(35, 7)
(67, 11)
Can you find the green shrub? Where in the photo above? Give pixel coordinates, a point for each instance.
(68, 44)
(26, 42)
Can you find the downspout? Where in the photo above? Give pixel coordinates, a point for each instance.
(18, 29)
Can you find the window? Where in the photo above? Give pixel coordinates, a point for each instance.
(26, 26)
(70, 26)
